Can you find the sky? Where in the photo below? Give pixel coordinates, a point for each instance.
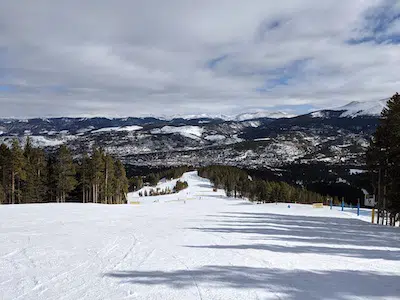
(157, 57)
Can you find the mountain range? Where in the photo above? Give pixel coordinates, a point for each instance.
(256, 139)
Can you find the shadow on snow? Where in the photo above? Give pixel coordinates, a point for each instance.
(341, 237)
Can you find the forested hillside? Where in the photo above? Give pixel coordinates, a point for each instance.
(238, 183)
(30, 175)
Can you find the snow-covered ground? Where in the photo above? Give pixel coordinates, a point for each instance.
(193, 132)
(207, 247)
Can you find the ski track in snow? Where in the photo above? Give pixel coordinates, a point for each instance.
(207, 247)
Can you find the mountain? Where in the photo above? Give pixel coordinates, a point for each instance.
(336, 136)
(354, 109)
(357, 108)
(263, 114)
(257, 114)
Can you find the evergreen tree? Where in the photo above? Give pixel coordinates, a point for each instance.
(383, 157)
(2, 194)
(5, 167)
(35, 169)
(97, 176)
(109, 179)
(17, 171)
(122, 184)
(64, 174)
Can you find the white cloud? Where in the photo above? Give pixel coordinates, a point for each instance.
(155, 57)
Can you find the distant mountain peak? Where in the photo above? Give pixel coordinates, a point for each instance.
(362, 108)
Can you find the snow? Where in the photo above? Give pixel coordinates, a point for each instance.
(125, 128)
(263, 114)
(253, 124)
(319, 114)
(367, 108)
(356, 171)
(162, 185)
(42, 141)
(193, 132)
(252, 114)
(215, 137)
(207, 247)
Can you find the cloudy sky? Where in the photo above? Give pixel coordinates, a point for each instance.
(157, 57)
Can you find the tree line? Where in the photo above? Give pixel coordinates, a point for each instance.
(179, 186)
(383, 161)
(30, 175)
(237, 183)
(137, 182)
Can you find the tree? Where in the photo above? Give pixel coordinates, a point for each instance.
(97, 174)
(109, 179)
(17, 171)
(383, 158)
(2, 195)
(5, 166)
(180, 185)
(85, 177)
(35, 168)
(153, 179)
(64, 173)
(122, 184)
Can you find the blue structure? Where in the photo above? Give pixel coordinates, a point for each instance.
(331, 203)
(342, 204)
(358, 207)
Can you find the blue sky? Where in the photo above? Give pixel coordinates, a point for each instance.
(155, 57)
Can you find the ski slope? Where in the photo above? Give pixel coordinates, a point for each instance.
(205, 247)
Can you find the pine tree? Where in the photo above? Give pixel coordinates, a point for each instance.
(17, 171)
(383, 157)
(64, 173)
(5, 167)
(122, 184)
(109, 179)
(35, 168)
(97, 176)
(85, 179)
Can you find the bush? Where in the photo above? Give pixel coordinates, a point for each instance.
(180, 185)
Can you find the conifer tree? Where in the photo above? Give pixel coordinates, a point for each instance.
(109, 179)
(35, 168)
(64, 173)
(5, 165)
(97, 176)
(17, 171)
(122, 184)
(85, 178)
(383, 157)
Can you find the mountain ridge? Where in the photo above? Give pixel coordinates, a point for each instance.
(359, 108)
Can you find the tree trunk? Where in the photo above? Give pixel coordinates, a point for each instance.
(12, 187)
(19, 191)
(93, 194)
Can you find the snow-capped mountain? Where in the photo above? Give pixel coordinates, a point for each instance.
(357, 108)
(353, 109)
(251, 115)
(263, 114)
(338, 136)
